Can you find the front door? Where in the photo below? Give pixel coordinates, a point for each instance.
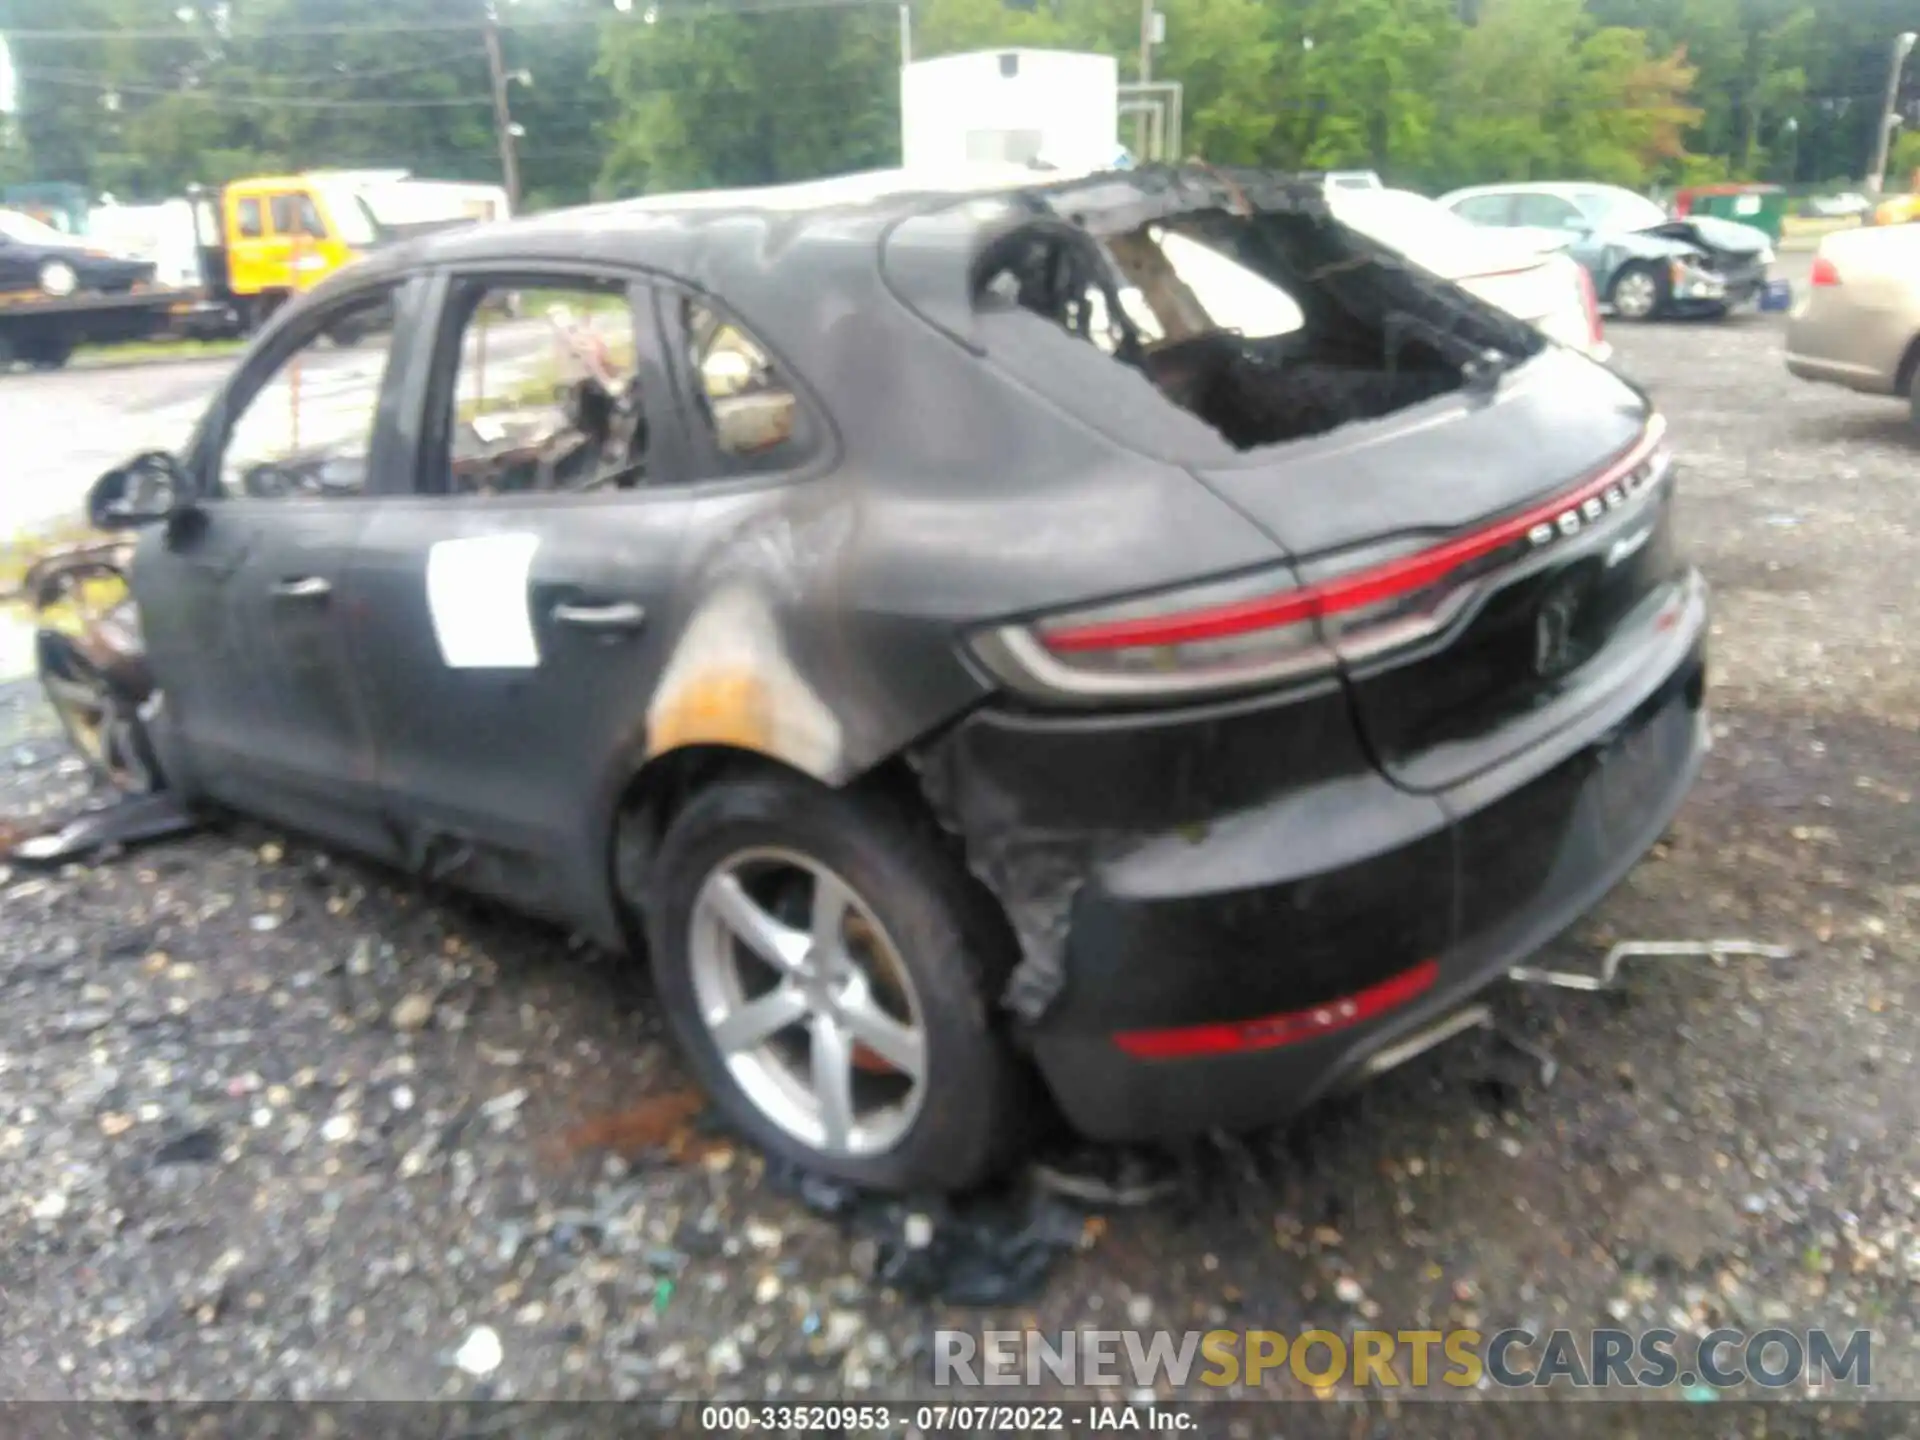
(510, 616)
(243, 598)
(253, 258)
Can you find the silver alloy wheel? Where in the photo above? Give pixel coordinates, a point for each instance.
(101, 729)
(1636, 295)
(810, 1022)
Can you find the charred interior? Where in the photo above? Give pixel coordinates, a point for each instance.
(1269, 324)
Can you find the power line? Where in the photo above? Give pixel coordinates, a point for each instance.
(666, 11)
(549, 105)
(313, 80)
(271, 102)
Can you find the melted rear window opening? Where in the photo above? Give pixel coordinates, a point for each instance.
(1270, 327)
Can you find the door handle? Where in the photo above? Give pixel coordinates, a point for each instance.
(623, 616)
(310, 587)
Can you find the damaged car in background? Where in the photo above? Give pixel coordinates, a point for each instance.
(1128, 639)
(1645, 264)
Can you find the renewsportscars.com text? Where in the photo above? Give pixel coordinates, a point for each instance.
(1512, 1358)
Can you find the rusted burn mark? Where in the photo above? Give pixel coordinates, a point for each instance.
(735, 678)
(732, 682)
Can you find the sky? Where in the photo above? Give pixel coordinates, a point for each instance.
(6, 80)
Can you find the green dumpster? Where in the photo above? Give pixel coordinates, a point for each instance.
(1762, 206)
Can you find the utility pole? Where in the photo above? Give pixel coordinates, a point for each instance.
(502, 115)
(906, 35)
(1889, 114)
(1146, 69)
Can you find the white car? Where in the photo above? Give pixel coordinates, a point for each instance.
(1527, 274)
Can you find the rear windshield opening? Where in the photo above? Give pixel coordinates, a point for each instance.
(1269, 327)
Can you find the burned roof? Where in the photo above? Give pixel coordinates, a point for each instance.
(792, 258)
(673, 233)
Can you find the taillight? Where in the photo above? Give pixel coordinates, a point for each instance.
(1825, 272)
(1191, 1042)
(1268, 628)
(1590, 302)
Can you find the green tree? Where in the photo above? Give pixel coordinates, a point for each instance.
(748, 99)
(1905, 161)
(1358, 83)
(1539, 92)
(1626, 116)
(1514, 69)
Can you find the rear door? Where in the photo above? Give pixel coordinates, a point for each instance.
(244, 603)
(510, 613)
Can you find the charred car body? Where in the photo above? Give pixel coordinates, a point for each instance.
(954, 636)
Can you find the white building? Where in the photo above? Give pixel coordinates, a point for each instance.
(1011, 107)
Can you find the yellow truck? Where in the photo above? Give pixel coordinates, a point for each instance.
(266, 238)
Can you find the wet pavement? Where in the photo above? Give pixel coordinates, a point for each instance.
(63, 429)
(287, 1125)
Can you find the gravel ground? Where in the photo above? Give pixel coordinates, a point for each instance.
(282, 1125)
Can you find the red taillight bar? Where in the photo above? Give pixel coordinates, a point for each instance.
(1590, 302)
(1370, 586)
(1271, 1031)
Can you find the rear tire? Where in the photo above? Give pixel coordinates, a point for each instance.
(920, 916)
(1638, 293)
(46, 351)
(1913, 398)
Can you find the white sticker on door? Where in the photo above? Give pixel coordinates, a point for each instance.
(477, 592)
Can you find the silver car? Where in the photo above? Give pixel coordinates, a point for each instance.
(1858, 322)
(1644, 263)
(1528, 275)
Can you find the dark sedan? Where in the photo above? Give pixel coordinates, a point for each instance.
(1129, 637)
(37, 258)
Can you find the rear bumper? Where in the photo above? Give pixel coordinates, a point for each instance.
(1867, 379)
(1493, 870)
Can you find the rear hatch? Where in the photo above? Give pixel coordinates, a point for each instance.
(1494, 569)
(1478, 522)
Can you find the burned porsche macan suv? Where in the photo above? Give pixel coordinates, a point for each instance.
(1126, 635)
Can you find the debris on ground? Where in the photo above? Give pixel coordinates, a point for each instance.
(127, 820)
(1718, 951)
(660, 1122)
(993, 1248)
(1109, 1177)
(480, 1353)
(996, 1247)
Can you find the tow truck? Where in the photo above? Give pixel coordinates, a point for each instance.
(43, 331)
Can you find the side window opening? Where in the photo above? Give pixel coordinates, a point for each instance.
(249, 221)
(285, 212)
(1269, 327)
(1549, 212)
(1484, 209)
(749, 408)
(546, 393)
(308, 431)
